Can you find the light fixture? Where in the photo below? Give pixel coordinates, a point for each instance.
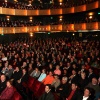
(31, 34)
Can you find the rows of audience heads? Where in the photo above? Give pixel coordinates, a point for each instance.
(65, 65)
(44, 5)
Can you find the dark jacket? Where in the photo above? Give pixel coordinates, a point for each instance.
(75, 95)
(47, 96)
(2, 86)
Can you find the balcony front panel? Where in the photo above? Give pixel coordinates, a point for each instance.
(21, 12)
(44, 12)
(80, 8)
(93, 5)
(81, 26)
(93, 26)
(32, 12)
(52, 28)
(85, 7)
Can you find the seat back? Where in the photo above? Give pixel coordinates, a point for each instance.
(36, 86)
(30, 82)
(40, 91)
(17, 96)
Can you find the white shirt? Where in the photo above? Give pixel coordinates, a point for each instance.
(85, 98)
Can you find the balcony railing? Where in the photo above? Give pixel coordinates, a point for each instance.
(52, 28)
(22, 12)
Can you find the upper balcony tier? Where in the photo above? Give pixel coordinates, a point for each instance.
(81, 27)
(49, 11)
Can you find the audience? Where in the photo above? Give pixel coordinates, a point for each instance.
(66, 65)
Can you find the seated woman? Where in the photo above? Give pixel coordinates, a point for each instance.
(8, 91)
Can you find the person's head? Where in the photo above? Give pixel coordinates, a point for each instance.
(30, 65)
(50, 73)
(65, 71)
(56, 76)
(23, 70)
(50, 66)
(83, 66)
(57, 67)
(83, 75)
(47, 88)
(73, 72)
(43, 71)
(17, 69)
(90, 70)
(9, 83)
(94, 81)
(3, 78)
(10, 67)
(64, 80)
(74, 65)
(87, 92)
(74, 86)
(36, 69)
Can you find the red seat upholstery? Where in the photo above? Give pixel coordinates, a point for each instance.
(30, 82)
(16, 96)
(56, 96)
(36, 86)
(40, 91)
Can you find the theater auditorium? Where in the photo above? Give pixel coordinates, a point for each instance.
(49, 49)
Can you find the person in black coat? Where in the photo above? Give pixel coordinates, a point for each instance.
(63, 88)
(74, 92)
(74, 77)
(23, 79)
(83, 81)
(87, 95)
(47, 95)
(16, 75)
(2, 83)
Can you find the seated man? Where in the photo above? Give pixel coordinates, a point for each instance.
(2, 83)
(47, 95)
(56, 82)
(49, 78)
(9, 72)
(63, 88)
(35, 73)
(94, 85)
(86, 95)
(73, 92)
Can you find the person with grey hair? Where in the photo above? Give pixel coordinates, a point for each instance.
(63, 89)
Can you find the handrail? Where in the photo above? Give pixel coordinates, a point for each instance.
(52, 28)
(21, 12)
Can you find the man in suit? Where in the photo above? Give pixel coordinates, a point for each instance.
(9, 72)
(47, 95)
(86, 95)
(2, 83)
(36, 73)
(73, 92)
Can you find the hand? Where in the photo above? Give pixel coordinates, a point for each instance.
(66, 99)
(60, 89)
(18, 81)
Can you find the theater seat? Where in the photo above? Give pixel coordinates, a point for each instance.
(40, 91)
(17, 96)
(36, 86)
(29, 83)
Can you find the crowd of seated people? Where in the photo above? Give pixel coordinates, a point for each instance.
(23, 23)
(68, 66)
(25, 5)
